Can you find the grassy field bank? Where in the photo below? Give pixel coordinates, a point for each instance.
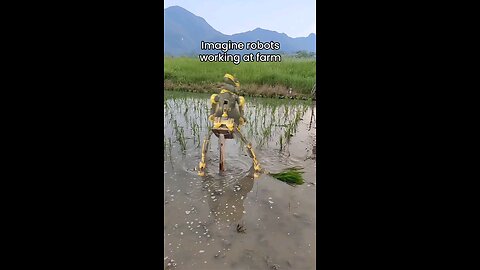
(257, 79)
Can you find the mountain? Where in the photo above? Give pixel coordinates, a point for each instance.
(183, 32)
(287, 44)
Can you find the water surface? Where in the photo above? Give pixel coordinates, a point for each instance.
(230, 220)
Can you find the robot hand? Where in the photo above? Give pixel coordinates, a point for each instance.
(242, 121)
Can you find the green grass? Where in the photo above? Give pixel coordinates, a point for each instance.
(298, 74)
(292, 176)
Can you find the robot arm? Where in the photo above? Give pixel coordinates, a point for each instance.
(214, 100)
(241, 107)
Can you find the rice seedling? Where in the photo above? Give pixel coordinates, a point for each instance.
(181, 139)
(281, 142)
(291, 176)
(170, 152)
(180, 136)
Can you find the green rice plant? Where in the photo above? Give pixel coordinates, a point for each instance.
(281, 142)
(170, 151)
(288, 133)
(181, 139)
(170, 147)
(291, 176)
(196, 134)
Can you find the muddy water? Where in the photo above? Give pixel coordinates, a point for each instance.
(230, 220)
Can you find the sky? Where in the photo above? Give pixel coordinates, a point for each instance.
(296, 18)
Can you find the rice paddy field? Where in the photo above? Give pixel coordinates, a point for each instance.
(230, 220)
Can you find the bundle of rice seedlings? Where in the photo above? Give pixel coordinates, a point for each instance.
(291, 176)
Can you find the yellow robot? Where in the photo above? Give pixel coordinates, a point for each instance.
(226, 114)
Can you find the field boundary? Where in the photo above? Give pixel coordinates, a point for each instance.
(291, 78)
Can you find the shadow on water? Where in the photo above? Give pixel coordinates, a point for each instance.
(226, 202)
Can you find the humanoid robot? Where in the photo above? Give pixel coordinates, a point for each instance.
(226, 114)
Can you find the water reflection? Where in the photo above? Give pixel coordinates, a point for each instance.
(226, 202)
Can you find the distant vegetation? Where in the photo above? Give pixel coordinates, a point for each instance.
(304, 54)
(257, 79)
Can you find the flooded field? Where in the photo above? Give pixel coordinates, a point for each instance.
(230, 220)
